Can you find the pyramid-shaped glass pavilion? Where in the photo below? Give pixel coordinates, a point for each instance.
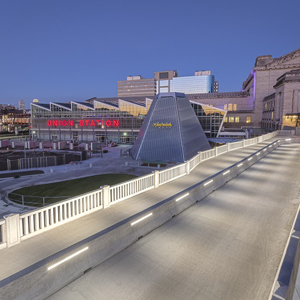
(171, 131)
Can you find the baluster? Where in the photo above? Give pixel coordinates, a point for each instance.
(42, 219)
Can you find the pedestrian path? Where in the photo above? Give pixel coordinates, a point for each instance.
(37, 248)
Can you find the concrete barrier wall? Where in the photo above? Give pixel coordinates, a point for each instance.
(37, 282)
(292, 288)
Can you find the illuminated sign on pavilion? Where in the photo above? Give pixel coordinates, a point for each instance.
(83, 123)
(162, 125)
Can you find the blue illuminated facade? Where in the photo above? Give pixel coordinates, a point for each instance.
(193, 84)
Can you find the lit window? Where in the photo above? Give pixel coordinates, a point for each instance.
(272, 117)
(234, 106)
(230, 106)
(225, 106)
(248, 120)
(226, 119)
(237, 119)
(231, 119)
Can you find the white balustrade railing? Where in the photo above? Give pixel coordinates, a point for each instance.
(172, 173)
(249, 142)
(53, 215)
(205, 155)
(235, 145)
(221, 149)
(195, 161)
(2, 233)
(45, 218)
(286, 132)
(130, 188)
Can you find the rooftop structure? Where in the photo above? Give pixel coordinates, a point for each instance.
(136, 86)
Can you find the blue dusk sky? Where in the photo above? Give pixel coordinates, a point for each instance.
(62, 50)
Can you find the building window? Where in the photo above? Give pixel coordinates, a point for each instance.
(231, 119)
(230, 107)
(237, 119)
(272, 117)
(248, 120)
(225, 106)
(163, 75)
(226, 119)
(234, 106)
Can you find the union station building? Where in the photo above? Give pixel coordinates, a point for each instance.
(106, 120)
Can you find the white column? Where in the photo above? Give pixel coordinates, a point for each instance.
(200, 157)
(187, 167)
(106, 196)
(12, 226)
(156, 179)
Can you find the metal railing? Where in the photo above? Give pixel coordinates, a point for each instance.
(32, 200)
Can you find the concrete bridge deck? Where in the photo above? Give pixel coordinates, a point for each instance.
(23, 256)
(228, 246)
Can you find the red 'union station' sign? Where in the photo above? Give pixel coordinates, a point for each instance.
(90, 123)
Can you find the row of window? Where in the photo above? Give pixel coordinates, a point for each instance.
(236, 119)
(230, 106)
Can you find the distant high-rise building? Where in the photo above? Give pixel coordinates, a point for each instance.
(136, 86)
(22, 105)
(166, 82)
(163, 80)
(202, 82)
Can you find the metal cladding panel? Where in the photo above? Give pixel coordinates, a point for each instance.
(170, 132)
(193, 136)
(160, 143)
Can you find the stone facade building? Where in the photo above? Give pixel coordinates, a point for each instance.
(281, 110)
(270, 96)
(278, 76)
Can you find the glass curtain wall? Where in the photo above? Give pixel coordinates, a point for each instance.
(106, 122)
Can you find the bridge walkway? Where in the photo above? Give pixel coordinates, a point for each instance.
(228, 246)
(39, 247)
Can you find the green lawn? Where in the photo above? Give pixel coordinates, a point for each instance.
(33, 195)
